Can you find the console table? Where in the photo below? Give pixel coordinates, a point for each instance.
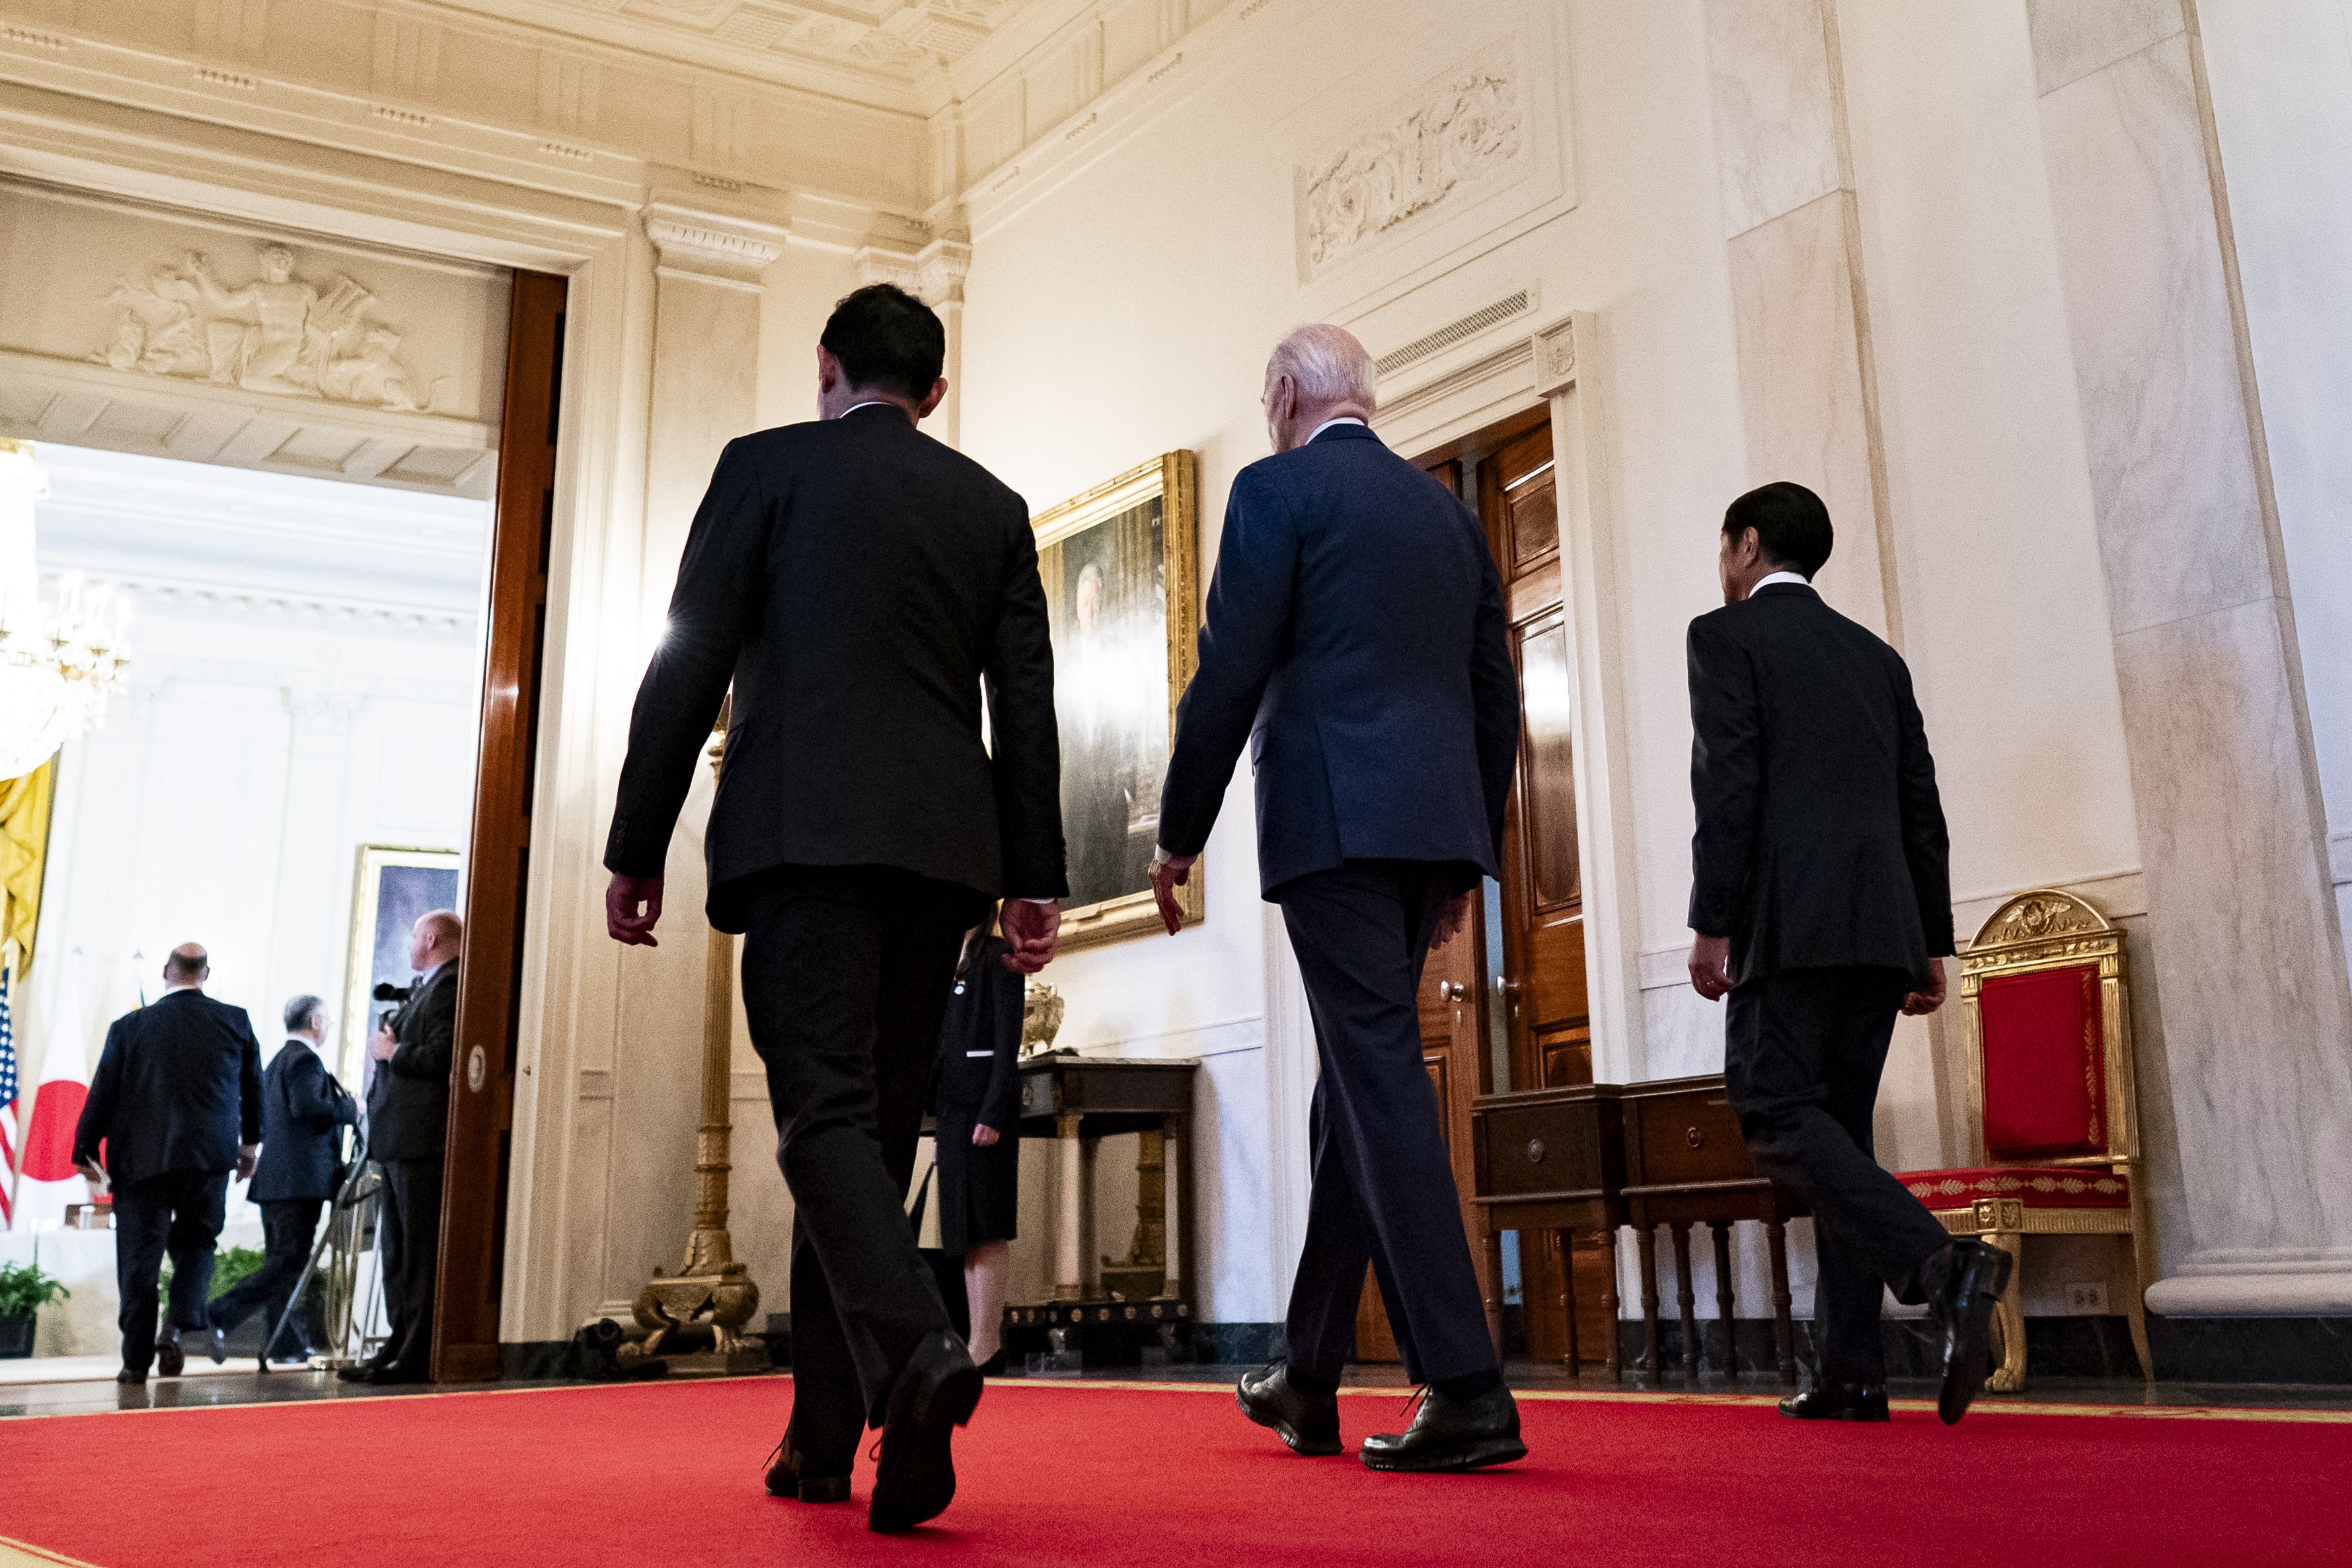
(1077, 1100)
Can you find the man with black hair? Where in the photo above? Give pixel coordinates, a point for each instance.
(303, 1109)
(177, 1105)
(1821, 898)
(857, 581)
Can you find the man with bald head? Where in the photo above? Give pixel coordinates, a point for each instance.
(1354, 637)
(176, 1105)
(414, 1049)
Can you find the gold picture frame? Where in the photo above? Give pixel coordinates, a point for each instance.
(1122, 567)
(361, 970)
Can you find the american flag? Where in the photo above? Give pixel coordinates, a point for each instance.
(7, 1105)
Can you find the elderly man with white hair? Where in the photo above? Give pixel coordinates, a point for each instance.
(1355, 637)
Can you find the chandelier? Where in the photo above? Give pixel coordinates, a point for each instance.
(58, 663)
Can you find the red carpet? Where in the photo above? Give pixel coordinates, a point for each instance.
(1104, 1476)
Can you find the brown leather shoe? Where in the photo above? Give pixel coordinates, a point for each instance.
(789, 1477)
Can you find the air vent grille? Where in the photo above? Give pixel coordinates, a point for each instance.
(1453, 332)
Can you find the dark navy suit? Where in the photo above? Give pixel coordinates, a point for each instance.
(302, 1111)
(1354, 634)
(177, 1089)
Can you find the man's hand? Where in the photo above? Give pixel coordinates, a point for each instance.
(631, 904)
(1919, 1004)
(1456, 917)
(247, 1156)
(1030, 931)
(984, 1137)
(1167, 876)
(381, 1045)
(1710, 966)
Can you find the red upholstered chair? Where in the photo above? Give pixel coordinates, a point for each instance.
(2053, 1115)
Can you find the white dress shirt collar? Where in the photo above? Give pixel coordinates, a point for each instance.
(1767, 581)
(870, 403)
(1343, 419)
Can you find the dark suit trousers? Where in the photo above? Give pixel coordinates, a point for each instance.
(1383, 1190)
(845, 978)
(410, 1222)
(288, 1225)
(1804, 1052)
(180, 1212)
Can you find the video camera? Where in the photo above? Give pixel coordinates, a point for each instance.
(385, 991)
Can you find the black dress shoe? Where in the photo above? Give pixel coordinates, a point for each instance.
(1828, 1401)
(359, 1374)
(394, 1375)
(169, 1361)
(1309, 1423)
(790, 1476)
(131, 1375)
(935, 1393)
(1451, 1434)
(1974, 1275)
(216, 1345)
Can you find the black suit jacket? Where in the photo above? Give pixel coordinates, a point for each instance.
(408, 1102)
(178, 1088)
(979, 1039)
(302, 1107)
(1821, 838)
(855, 579)
(1354, 635)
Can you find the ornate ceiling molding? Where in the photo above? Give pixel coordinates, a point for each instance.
(722, 247)
(934, 273)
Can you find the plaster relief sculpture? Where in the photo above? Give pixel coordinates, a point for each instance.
(276, 334)
(1465, 127)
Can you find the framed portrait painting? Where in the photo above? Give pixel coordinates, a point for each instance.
(1122, 566)
(394, 887)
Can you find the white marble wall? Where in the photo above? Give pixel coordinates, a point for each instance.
(2257, 1041)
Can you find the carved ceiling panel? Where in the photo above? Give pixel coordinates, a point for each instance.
(897, 36)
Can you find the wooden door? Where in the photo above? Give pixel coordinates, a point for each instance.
(497, 875)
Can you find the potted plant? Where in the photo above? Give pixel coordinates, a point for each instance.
(24, 1291)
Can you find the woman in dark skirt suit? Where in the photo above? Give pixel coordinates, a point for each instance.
(979, 1153)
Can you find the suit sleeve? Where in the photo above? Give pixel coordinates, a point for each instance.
(310, 1099)
(1024, 736)
(248, 1085)
(1926, 845)
(105, 1091)
(427, 1051)
(1494, 696)
(1243, 625)
(999, 1107)
(710, 609)
(1726, 778)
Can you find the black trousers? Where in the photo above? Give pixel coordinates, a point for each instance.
(410, 1224)
(1383, 1190)
(1802, 1054)
(180, 1212)
(845, 978)
(288, 1225)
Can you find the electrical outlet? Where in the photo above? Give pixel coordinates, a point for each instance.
(2086, 1298)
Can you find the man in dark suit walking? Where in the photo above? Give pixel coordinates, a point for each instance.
(302, 1107)
(1821, 900)
(408, 1133)
(1354, 637)
(857, 581)
(176, 1100)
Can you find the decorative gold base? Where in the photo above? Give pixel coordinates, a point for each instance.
(705, 1308)
(735, 1363)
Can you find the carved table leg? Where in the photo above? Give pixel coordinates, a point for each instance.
(1492, 1285)
(1566, 1238)
(1609, 1305)
(2009, 1377)
(1645, 1239)
(1685, 1297)
(1069, 1276)
(1784, 1328)
(1723, 1307)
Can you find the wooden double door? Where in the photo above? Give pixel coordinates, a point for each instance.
(1503, 1005)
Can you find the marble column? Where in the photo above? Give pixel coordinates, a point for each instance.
(934, 275)
(703, 394)
(1808, 392)
(2249, 957)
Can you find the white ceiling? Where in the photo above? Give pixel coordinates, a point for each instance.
(197, 537)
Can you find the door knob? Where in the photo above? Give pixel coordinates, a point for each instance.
(1452, 992)
(1509, 988)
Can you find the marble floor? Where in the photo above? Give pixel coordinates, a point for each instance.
(84, 1385)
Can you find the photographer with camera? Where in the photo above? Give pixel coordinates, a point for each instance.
(303, 1112)
(408, 1117)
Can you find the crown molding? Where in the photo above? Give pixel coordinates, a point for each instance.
(934, 273)
(696, 241)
